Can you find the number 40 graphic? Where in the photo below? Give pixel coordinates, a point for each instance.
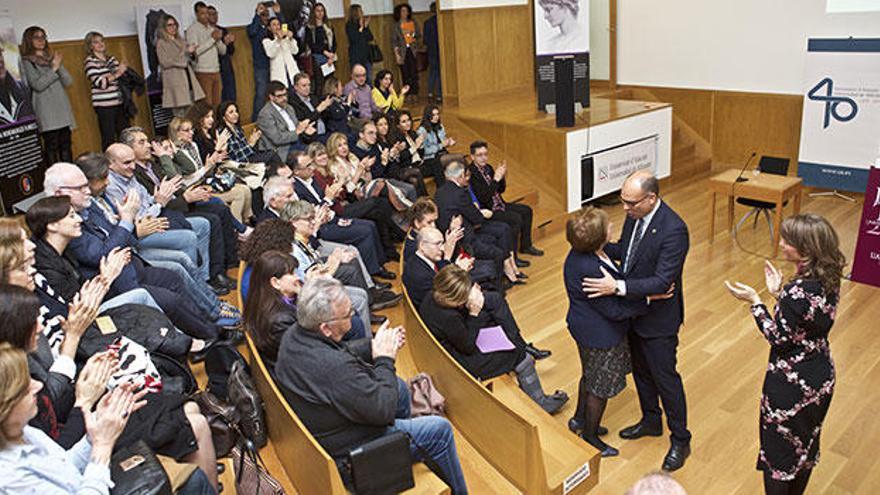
(832, 102)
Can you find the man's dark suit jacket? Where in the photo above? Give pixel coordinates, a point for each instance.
(485, 190)
(453, 200)
(418, 278)
(302, 111)
(656, 264)
(266, 214)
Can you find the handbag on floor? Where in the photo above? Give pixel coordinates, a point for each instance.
(251, 475)
(425, 399)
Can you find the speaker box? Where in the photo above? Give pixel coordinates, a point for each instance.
(586, 178)
(563, 68)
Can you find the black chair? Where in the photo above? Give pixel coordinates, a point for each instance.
(767, 165)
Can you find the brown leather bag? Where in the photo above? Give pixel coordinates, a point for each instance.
(425, 399)
(222, 418)
(251, 475)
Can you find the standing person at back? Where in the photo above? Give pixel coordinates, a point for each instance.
(432, 43)
(651, 252)
(227, 73)
(256, 31)
(209, 47)
(357, 30)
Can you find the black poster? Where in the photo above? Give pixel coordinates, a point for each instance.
(21, 163)
(546, 80)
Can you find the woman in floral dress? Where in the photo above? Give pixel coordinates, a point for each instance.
(800, 377)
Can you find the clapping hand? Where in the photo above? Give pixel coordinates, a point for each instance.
(197, 194)
(130, 206)
(466, 263)
(666, 295)
(501, 171)
(743, 292)
(388, 341)
(162, 148)
(255, 136)
(81, 312)
(107, 422)
(404, 90)
(486, 213)
(475, 300)
(325, 103)
(773, 278)
(151, 225)
(113, 263)
(455, 222)
(166, 189)
(92, 380)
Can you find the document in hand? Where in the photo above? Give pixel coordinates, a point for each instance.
(493, 339)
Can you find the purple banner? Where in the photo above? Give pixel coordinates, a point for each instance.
(866, 262)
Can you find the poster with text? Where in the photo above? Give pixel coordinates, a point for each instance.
(21, 156)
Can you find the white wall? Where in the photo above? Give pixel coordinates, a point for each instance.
(474, 4)
(745, 45)
(599, 39)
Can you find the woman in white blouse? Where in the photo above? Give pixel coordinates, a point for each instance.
(281, 48)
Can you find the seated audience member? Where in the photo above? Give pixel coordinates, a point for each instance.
(241, 148)
(273, 234)
(384, 95)
(194, 202)
(435, 142)
(277, 192)
(418, 278)
(270, 311)
(169, 423)
(338, 264)
(598, 325)
(347, 393)
(482, 238)
(281, 131)
(362, 99)
(106, 227)
(54, 223)
(400, 193)
(309, 107)
(341, 225)
(454, 313)
(488, 184)
(403, 138)
(341, 109)
(30, 460)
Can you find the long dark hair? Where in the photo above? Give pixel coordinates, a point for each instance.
(263, 300)
(815, 240)
(28, 52)
(398, 8)
(19, 309)
(219, 121)
(426, 118)
(196, 114)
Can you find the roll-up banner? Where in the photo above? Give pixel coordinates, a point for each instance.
(21, 157)
(562, 27)
(866, 261)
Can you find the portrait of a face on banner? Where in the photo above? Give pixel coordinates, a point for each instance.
(21, 157)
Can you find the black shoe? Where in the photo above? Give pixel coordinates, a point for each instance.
(229, 282)
(385, 299)
(676, 456)
(383, 273)
(219, 288)
(377, 319)
(381, 285)
(640, 430)
(521, 276)
(233, 335)
(392, 255)
(199, 356)
(532, 250)
(537, 353)
(221, 468)
(522, 263)
(577, 426)
(604, 448)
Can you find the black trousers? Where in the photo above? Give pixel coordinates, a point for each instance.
(519, 218)
(170, 294)
(409, 72)
(363, 235)
(379, 210)
(56, 146)
(111, 122)
(654, 361)
(224, 237)
(431, 167)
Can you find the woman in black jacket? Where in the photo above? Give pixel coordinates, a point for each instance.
(270, 309)
(357, 29)
(454, 314)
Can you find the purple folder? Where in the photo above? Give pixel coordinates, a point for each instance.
(493, 339)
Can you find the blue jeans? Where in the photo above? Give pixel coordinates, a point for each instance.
(197, 484)
(194, 243)
(203, 297)
(434, 435)
(261, 80)
(134, 296)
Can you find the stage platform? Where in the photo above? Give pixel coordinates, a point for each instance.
(552, 156)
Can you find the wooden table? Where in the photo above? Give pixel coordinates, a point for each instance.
(771, 188)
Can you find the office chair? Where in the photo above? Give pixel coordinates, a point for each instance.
(767, 165)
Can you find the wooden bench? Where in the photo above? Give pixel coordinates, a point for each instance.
(534, 452)
(307, 465)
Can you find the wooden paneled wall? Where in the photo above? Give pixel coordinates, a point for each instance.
(486, 50)
(87, 137)
(735, 124)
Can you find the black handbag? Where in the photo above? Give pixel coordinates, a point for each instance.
(135, 470)
(223, 420)
(382, 466)
(244, 397)
(375, 53)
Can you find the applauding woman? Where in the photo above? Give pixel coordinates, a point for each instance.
(281, 49)
(103, 72)
(384, 95)
(271, 308)
(180, 88)
(800, 377)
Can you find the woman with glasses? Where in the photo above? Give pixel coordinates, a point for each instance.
(180, 88)
(104, 72)
(44, 73)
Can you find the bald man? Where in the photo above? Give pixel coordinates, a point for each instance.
(363, 93)
(651, 252)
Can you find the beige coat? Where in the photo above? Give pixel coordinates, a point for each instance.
(174, 62)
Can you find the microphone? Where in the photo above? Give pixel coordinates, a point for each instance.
(740, 178)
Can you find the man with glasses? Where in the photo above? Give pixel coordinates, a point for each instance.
(651, 251)
(282, 131)
(348, 393)
(363, 93)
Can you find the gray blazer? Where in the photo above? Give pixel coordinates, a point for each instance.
(276, 136)
(51, 105)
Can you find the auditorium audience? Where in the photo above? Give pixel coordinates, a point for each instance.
(281, 131)
(44, 73)
(395, 152)
(257, 31)
(281, 48)
(357, 30)
(104, 72)
(435, 143)
(488, 184)
(347, 393)
(180, 87)
(321, 42)
(400, 193)
(454, 313)
(405, 39)
(273, 234)
(800, 377)
(309, 107)
(210, 45)
(384, 95)
(359, 86)
(239, 147)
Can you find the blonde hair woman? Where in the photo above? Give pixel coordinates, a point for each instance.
(180, 88)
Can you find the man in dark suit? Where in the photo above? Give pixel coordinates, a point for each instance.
(488, 184)
(309, 107)
(651, 251)
(277, 191)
